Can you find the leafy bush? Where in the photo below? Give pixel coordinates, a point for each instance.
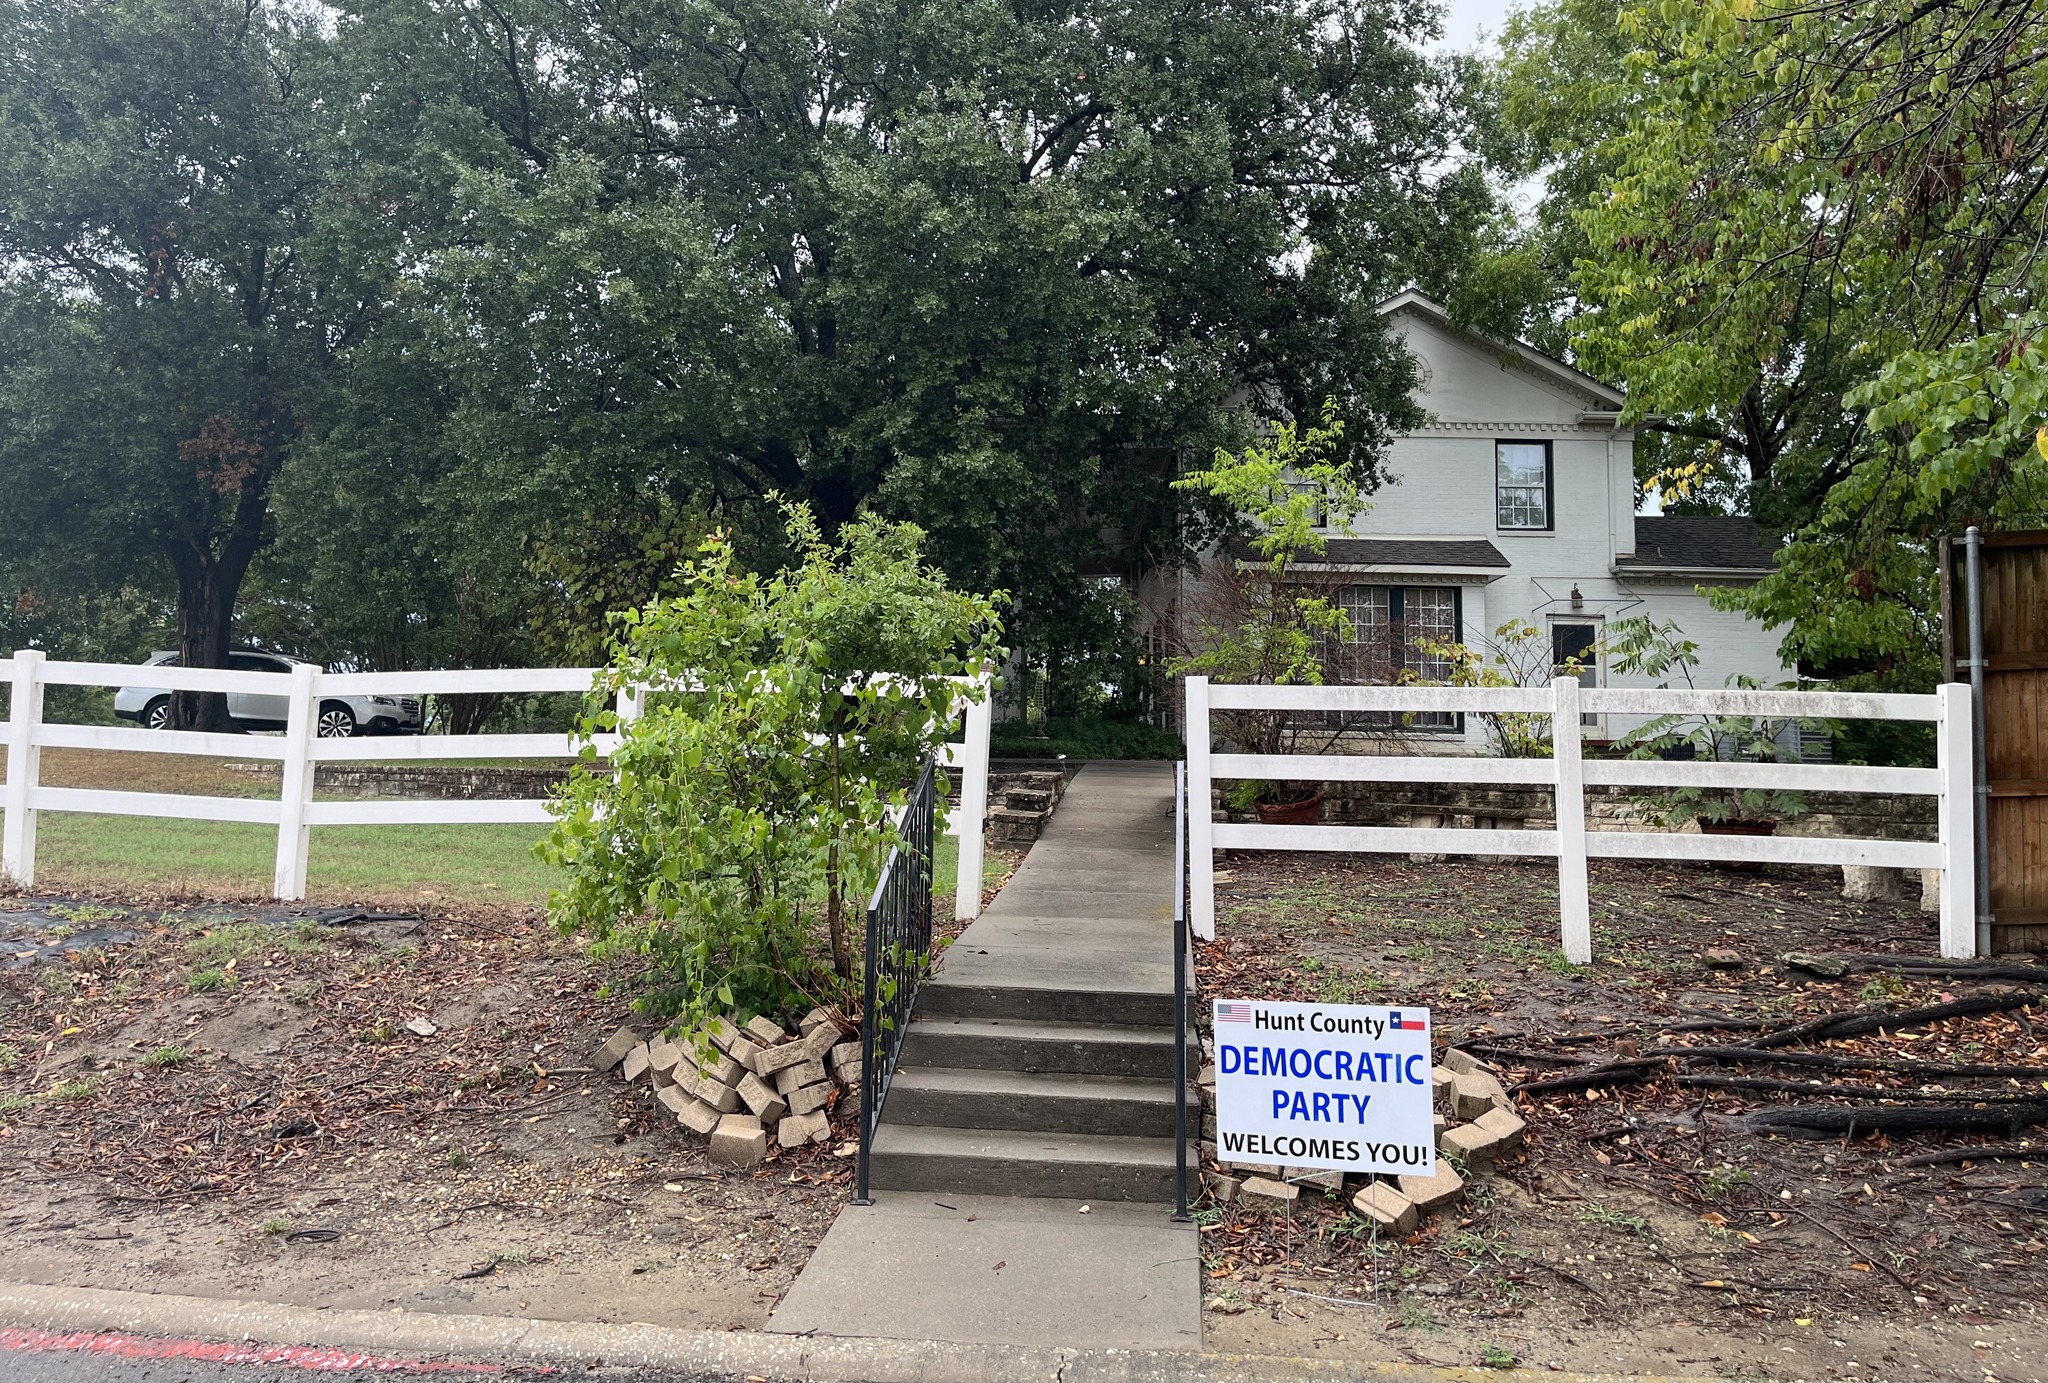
(750, 801)
(1084, 737)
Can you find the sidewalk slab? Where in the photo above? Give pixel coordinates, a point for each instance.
(1002, 1270)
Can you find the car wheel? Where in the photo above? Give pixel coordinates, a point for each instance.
(337, 722)
(157, 714)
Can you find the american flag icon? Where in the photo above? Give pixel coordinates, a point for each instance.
(1233, 1013)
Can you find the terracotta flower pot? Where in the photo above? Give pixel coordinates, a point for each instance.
(1306, 812)
(1737, 826)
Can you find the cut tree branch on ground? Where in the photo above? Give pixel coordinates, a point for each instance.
(1831, 1026)
(1988, 1152)
(1850, 1092)
(1841, 1121)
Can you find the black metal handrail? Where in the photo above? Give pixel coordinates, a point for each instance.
(899, 956)
(1180, 991)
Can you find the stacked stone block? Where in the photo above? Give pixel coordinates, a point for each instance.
(743, 1085)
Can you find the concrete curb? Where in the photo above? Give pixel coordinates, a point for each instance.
(816, 1359)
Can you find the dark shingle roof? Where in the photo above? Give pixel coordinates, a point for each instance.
(1697, 542)
(1413, 553)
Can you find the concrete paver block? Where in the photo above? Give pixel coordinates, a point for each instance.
(738, 1140)
(1323, 1178)
(714, 1066)
(765, 1031)
(810, 1020)
(763, 1103)
(698, 1117)
(1504, 1125)
(791, 1078)
(842, 1056)
(822, 1039)
(1457, 1059)
(722, 1098)
(723, 1033)
(1475, 1092)
(769, 1060)
(674, 1099)
(1385, 1207)
(1265, 1188)
(1222, 1189)
(745, 1050)
(1427, 1193)
(809, 1097)
(663, 1054)
(798, 1129)
(635, 1064)
(1442, 1080)
(614, 1050)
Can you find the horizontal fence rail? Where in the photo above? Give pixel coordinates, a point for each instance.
(1567, 773)
(299, 750)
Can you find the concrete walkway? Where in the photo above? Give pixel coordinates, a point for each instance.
(1034, 1071)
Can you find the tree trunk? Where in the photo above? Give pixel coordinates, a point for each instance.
(206, 605)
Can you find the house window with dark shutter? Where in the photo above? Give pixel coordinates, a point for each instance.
(1401, 629)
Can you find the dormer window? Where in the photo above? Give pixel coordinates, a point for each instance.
(1522, 489)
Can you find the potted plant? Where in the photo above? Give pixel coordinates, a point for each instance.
(1269, 614)
(1641, 645)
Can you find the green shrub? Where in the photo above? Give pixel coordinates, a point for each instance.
(1086, 737)
(732, 821)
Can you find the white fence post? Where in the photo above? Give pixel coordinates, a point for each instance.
(1955, 817)
(630, 705)
(24, 759)
(1201, 816)
(973, 807)
(295, 791)
(1572, 906)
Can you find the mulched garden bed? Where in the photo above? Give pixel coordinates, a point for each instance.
(1660, 1218)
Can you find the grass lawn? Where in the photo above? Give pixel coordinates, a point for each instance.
(446, 865)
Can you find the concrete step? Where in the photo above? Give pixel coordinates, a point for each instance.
(997, 1044)
(1097, 988)
(1010, 1163)
(946, 1097)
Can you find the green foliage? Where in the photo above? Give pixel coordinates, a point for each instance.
(1815, 254)
(168, 1056)
(1518, 655)
(745, 805)
(1642, 646)
(209, 981)
(1086, 737)
(1258, 617)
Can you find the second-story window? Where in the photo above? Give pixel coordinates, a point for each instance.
(1521, 484)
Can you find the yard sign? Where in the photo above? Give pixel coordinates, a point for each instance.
(1342, 1086)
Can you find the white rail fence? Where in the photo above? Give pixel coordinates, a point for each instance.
(294, 812)
(1568, 774)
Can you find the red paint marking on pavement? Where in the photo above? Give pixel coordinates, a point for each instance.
(314, 1357)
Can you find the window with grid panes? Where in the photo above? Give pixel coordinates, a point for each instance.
(1521, 484)
(1394, 621)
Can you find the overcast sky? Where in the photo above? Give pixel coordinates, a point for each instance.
(1465, 19)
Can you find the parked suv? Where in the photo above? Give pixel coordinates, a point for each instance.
(337, 717)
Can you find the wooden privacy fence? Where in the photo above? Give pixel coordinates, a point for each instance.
(1568, 773)
(294, 812)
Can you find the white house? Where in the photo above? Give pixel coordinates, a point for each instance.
(1517, 500)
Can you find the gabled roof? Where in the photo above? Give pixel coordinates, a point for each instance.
(1546, 367)
(1705, 544)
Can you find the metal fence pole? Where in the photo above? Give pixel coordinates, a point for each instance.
(1980, 810)
(24, 758)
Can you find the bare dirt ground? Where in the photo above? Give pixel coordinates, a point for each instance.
(1650, 1225)
(225, 1100)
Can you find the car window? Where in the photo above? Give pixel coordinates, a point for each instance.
(254, 662)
